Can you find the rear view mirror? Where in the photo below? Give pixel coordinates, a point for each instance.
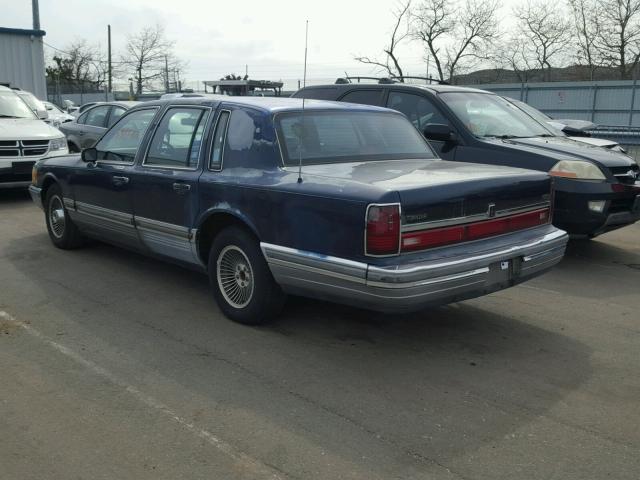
(439, 132)
(89, 155)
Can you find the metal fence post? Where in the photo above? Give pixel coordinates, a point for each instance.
(633, 100)
(593, 105)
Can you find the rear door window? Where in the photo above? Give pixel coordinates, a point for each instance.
(218, 140)
(364, 97)
(178, 138)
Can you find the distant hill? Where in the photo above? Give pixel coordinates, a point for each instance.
(574, 73)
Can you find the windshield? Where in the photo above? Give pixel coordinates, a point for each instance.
(32, 101)
(344, 136)
(12, 107)
(487, 115)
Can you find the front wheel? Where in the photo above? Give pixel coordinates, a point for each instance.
(241, 280)
(62, 231)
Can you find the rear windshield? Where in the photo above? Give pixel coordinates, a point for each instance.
(343, 136)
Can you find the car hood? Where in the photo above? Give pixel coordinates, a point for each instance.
(563, 148)
(26, 129)
(598, 142)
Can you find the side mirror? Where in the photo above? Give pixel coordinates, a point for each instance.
(439, 132)
(89, 155)
(42, 114)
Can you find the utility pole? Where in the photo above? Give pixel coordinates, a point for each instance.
(110, 74)
(35, 10)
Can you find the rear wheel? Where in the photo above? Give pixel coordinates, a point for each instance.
(62, 231)
(241, 280)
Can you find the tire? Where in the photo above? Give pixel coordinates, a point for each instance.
(240, 278)
(62, 231)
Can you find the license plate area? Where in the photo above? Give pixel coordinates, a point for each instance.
(22, 168)
(501, 273)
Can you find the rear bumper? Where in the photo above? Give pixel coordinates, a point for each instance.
(408, 285)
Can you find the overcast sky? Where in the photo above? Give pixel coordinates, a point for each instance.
(219, 37)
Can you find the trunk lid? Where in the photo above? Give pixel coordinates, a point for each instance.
(436, 190)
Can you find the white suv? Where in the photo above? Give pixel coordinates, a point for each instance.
(24, 139)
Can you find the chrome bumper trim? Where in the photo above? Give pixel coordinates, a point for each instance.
(402, 287)
(36, 195)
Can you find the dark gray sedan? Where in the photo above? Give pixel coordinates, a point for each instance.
(87, 129)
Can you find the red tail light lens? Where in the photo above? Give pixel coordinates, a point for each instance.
(437, 237)
(383, 230)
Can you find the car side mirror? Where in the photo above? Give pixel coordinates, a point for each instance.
(42, 114)
(439, 132)
(89, 155)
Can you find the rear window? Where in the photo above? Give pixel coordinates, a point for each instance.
(342, 136)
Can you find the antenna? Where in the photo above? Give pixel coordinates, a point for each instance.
(304, 84)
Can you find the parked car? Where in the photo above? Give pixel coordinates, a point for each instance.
(577, 130)
(340, 202)
(170, 96)
(77, 111)
(596, 190)
(56, 114)
(85, 131)
(34, 103)
(23, 140)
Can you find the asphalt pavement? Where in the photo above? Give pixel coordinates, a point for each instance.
(118, 366)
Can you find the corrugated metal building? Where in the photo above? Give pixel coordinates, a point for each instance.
(22, 60)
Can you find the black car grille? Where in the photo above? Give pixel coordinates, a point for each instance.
(23, 148)
(628, 175)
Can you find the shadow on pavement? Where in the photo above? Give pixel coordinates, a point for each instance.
(432, 385)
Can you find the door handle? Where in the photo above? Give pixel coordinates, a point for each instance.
(118, 180)
(181, 187)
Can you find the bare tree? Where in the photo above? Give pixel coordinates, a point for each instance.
(544, 26)
(618, 39)
(147, 55)
(399, 34)
(456, 35)
(586, 21)
(76, 65)
(514, 55)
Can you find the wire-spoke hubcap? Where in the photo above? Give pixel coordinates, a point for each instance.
(235, 277)
(56, 217)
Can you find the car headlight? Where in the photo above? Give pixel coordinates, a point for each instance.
(576, 169)
(58, 143)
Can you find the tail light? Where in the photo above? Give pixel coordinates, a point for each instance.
(437, 237)
(383, 230)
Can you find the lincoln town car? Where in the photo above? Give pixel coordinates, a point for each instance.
(273, 196)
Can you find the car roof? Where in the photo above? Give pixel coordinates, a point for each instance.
(266, 104)
(127, 103)
(397, 85)
(5, 89)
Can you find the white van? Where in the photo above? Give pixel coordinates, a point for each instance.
(24, 139)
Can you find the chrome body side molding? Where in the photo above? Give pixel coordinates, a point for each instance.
(415, 282)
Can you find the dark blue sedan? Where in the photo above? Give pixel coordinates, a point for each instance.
(341, 202)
